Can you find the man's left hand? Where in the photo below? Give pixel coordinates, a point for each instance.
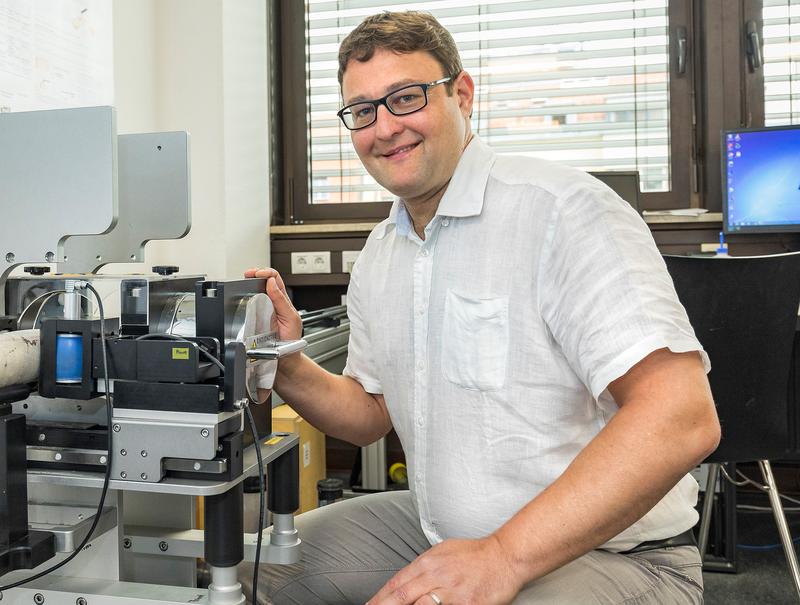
(458, 572)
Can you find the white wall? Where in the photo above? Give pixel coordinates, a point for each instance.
(201, 66)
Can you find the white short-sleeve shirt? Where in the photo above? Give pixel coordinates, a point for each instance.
(494, 339)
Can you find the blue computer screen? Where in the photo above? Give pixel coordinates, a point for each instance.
(761, 176)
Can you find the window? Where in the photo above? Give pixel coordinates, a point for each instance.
(781, 62)
(585, 82)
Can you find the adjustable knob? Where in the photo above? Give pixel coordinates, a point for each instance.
(165, 269)
(33, 270)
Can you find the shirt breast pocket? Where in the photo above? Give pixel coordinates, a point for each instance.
(475, 341)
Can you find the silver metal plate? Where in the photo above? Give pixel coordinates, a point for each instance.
(69, 524)
(154, 202)
(58, 170)
(140, 446)
(271, 448)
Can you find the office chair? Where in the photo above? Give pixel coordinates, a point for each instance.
(744, 312)
(625, 183)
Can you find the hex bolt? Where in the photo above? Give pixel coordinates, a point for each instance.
(123, 452)
(163, 546)
(116, 428)
(38, 598)
(80, 601)
(143, 453)
(143, 476)
(204, 432)
(126, 543)
(123, 474)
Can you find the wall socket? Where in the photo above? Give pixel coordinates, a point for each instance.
(311, 262)
(348, 260)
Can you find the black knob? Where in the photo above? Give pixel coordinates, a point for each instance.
(165, 269)
(37, 270)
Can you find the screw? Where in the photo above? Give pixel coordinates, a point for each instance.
(163, 546)
(197, 466)
(144, 453)
(42, 437)
(103, 459)
(38, 598)
(116, 428)
(204, 432)
(124, 475)
(80, 601)
(57, 456)
(143, 476)
(123, 452)
(219, 447)
(126, 543)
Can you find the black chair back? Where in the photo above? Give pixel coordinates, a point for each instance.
(744, 311)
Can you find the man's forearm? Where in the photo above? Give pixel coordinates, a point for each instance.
(336, 405)
(618, 477)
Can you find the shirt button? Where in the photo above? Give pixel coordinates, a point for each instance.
(445, 222)
(419, 477)
(421, 311)
(420, 365)
(425, 252)
(420, 421)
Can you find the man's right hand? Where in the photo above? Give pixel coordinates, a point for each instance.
(285, 320)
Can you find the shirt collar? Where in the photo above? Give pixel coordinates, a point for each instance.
(464, 194)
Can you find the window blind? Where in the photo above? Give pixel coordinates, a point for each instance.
(781, 62)
(583, 82)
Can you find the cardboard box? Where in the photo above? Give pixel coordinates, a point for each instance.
(312, 452)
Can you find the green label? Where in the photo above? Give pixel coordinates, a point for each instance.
(180, 352)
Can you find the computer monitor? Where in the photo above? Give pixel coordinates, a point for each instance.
(761, 180)
(625, 183)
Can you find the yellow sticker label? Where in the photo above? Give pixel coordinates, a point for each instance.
(274, 440)
(180, 352)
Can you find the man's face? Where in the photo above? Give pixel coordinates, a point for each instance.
(413, 156)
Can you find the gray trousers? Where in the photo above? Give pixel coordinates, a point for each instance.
(352, 548)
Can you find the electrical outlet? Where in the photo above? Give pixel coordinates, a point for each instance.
(311, 262)
(348, 260)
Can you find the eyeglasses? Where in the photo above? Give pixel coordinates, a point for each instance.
(400, 102)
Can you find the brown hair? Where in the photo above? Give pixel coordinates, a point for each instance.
(401, 32)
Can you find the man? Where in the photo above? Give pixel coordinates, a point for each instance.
(514, 322)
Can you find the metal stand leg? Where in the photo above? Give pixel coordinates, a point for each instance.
(225, 588)
(780, 519)
(708, 506)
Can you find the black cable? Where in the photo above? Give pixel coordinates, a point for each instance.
(164, 336)
(107, 478)
(261, 491)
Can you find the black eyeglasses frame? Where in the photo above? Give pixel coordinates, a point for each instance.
(382, 101)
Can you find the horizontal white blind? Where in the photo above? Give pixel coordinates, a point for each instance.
(781, 62)
(584, 82)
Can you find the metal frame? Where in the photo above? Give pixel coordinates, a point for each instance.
(771, 489)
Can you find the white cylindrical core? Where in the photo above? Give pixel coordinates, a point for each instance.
(20, 354)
